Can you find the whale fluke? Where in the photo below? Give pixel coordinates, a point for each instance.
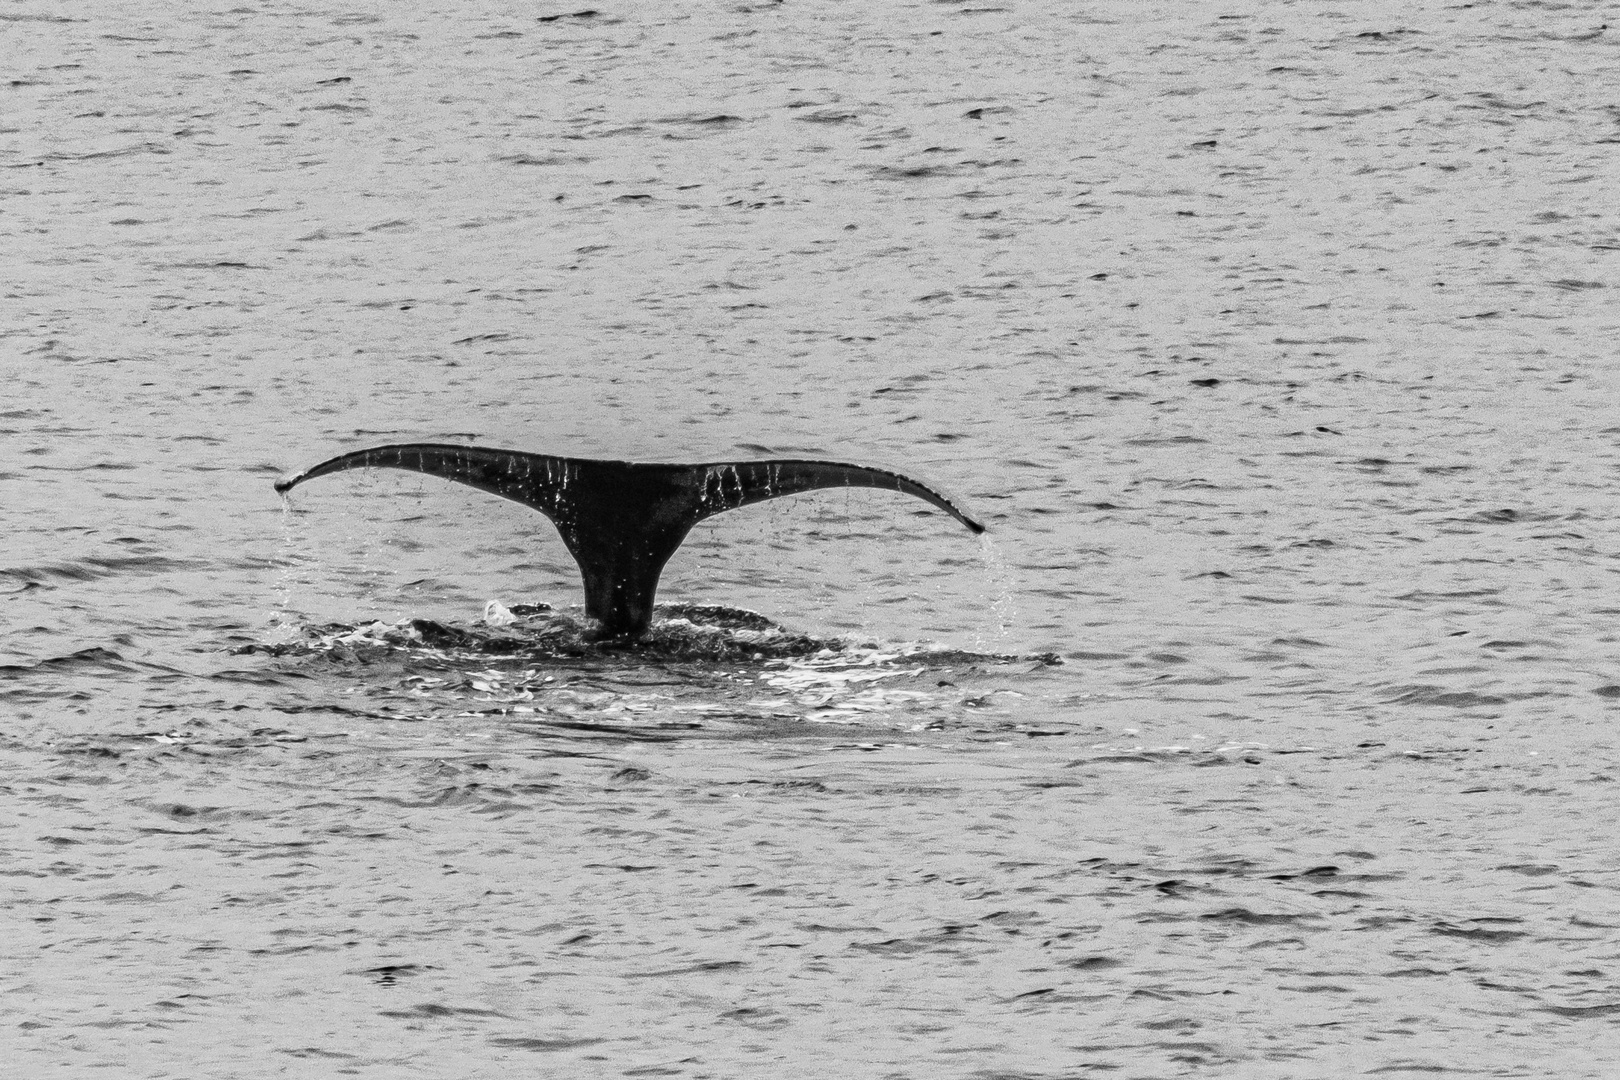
(622, 520)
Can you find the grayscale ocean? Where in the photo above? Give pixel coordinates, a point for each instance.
(1270, 732)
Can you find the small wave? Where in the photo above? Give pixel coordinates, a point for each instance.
(94, 658)
(1424, 694)
(94, 567)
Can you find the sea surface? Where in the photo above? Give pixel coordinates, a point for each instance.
(1270, 732)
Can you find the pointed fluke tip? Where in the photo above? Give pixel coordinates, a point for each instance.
(287, 483)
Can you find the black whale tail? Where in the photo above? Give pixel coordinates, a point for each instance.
(623, 520)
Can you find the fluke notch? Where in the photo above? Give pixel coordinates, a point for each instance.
(622, 520)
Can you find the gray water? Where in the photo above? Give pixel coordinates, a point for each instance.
(1273, 343)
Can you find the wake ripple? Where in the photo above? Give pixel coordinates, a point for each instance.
(700, 669)
(678, 632)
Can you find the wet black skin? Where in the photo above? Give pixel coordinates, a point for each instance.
(622, 520)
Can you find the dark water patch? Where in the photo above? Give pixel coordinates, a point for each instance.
(913, 172)
(1423, 694)
(1487, 935)
(965, 658)
(583, 14)
(216, 264)
(262, 678)
(186, 812)
(708, 120)
(827, 116)
(755, 1016)
(1506, 515)
(1158, 756)
(668, 732)
(816, 787)
(538, 1045)
(381, 713)
(700, 968)
(479, 797)
(390, 974)
(1424, 596)
(124, 151)
(435, 1011)
(316, 1052)
(543, 159)
(1583, 1012)
(92, 659)
(1313, 872)
(1256, 918)
(88, 750)
(1419, 1067)
(1093, 963)
(95, 567)
(1167, 440)
(909, 946)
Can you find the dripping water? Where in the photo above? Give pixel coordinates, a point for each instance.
(997, 592)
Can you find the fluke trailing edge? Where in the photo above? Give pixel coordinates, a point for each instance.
(622, 520)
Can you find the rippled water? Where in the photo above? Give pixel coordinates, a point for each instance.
(1271, 736)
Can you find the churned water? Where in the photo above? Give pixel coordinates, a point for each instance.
(1273, 736)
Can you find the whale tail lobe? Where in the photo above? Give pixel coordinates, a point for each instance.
(623, 520)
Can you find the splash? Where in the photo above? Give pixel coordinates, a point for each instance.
(702, 633)
(679, 632)
(702, 672)
(849, 685)
(498, 614)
